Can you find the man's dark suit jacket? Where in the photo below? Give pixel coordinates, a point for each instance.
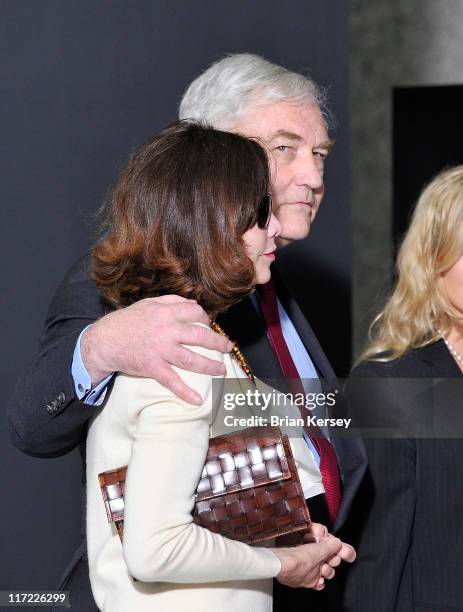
(407, 519)
(43, 424)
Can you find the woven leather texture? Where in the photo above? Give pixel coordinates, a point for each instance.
(249, 489)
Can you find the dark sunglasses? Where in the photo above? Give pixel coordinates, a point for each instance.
(264, 212)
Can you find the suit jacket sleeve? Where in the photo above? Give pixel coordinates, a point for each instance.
(161, 542)
(381, 521)
(33, 429)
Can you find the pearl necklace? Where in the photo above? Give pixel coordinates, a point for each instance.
(453, 352)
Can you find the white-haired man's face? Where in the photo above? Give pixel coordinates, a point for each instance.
(298, 142)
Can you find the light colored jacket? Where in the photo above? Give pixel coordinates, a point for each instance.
(179, 566)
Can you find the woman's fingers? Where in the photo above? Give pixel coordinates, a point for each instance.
(335, 561)
(317, 531)
(347, 553)
(326, 571)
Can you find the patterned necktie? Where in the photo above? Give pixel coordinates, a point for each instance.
(328, 462)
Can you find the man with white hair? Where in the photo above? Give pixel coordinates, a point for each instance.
(84, 344)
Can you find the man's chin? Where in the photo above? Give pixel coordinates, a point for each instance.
(291, 236)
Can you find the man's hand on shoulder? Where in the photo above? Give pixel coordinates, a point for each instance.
(146, 339)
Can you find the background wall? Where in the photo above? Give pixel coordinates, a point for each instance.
(393, 44)
(84, 83)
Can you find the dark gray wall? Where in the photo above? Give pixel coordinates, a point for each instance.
(84, 83)
(394, 44)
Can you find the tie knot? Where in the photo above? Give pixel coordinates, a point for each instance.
(269, 304)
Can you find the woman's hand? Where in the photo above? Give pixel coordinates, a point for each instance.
(347, 552)
(311, 563)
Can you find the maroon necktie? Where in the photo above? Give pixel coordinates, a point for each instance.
(328, 463)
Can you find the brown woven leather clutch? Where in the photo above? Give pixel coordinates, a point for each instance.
(249, 489)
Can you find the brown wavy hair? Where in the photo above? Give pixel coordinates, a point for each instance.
(175, 220)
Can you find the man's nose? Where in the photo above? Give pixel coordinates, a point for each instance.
(309, 172)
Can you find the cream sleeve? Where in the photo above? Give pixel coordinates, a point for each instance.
(161, 542)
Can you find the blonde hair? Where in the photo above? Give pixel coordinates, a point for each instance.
(419, 305)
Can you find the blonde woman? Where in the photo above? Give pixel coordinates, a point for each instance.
(409, 513)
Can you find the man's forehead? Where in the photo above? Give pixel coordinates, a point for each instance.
(281, 133)
(323, 143)
(282, 119)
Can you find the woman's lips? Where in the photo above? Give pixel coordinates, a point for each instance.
(270, 255)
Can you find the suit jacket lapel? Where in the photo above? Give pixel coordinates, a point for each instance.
(443, 365)
(304, 330)
(444, 384)
(245, 326)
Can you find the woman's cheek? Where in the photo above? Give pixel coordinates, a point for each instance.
(454, 284)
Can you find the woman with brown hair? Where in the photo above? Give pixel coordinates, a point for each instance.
(191, 216)
(408, 513)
